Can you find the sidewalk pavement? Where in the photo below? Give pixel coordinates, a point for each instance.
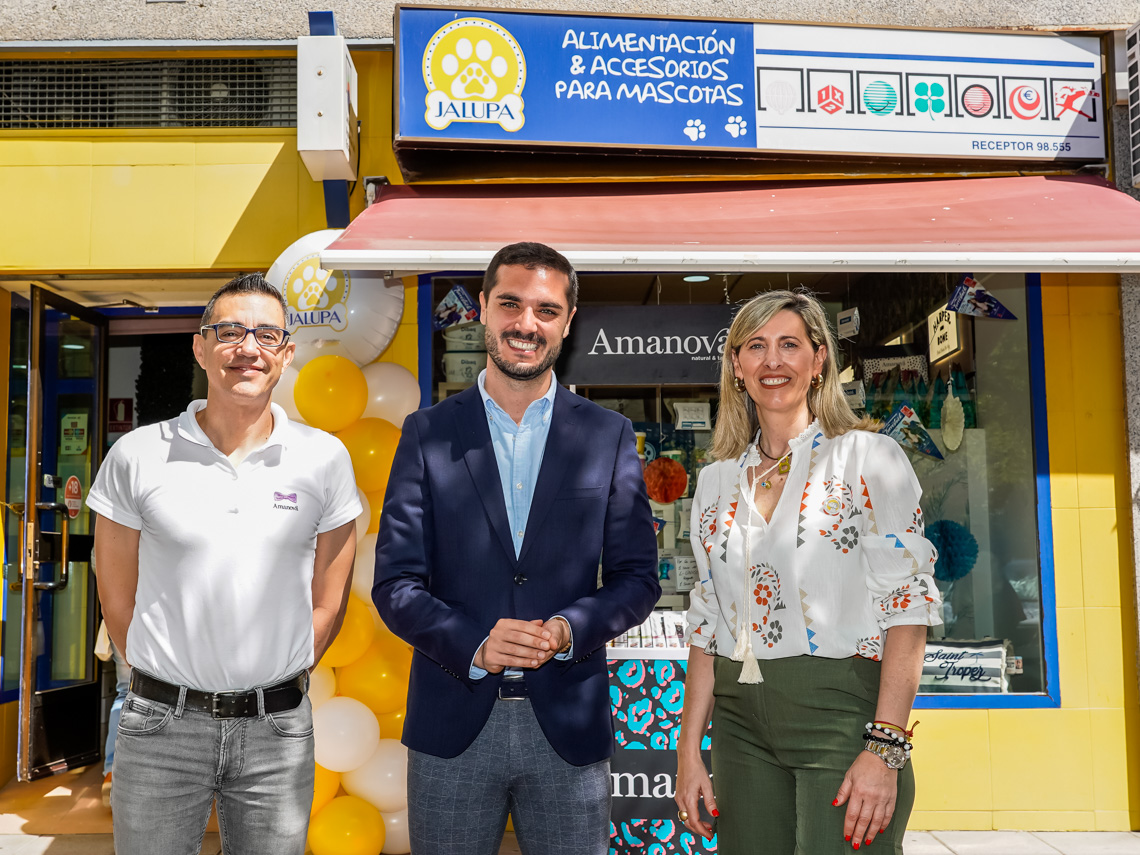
(917, 843)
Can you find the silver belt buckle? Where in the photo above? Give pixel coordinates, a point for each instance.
(507, 684)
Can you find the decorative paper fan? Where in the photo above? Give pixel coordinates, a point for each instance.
(957, 549)
(953, 422)
(665, 480)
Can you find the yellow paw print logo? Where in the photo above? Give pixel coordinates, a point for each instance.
(481, 69)
(309, 287)
(475, 71)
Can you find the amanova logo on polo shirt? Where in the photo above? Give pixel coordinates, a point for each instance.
(280, 498)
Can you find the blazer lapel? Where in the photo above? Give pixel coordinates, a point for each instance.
(479, 454)
(561, 448)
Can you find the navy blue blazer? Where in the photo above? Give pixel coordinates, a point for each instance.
(446, 569)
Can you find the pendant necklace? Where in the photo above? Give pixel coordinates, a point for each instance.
(783, 466)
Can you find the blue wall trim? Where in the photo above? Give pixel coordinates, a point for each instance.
(423, 329)
(1052, 695)
(336, 204)
(322, 24)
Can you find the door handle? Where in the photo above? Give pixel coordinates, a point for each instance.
(64, 573)
(17, 583)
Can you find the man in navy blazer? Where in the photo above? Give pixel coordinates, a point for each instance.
(501, 503)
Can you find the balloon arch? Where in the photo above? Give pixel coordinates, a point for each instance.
(341, 322)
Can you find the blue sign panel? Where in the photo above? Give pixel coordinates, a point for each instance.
(531, 78)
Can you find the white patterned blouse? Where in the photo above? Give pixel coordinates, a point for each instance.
(843, 559)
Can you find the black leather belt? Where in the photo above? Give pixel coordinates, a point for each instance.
(512, 689)
(283, 696)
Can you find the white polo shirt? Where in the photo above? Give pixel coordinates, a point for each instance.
(224, 599)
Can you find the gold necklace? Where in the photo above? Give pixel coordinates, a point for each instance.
(782, 467)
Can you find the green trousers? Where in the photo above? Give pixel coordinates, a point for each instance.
(780, 749)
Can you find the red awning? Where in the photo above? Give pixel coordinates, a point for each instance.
(1028, 224)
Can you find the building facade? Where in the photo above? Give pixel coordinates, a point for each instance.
(203, 179)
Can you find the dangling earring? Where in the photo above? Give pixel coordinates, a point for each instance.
(817, 381)
(739, 384)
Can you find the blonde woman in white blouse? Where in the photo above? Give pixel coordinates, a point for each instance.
(808, 626)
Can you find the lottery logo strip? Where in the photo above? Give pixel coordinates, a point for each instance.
(926, 93)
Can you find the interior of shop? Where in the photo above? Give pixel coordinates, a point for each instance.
(979, 500)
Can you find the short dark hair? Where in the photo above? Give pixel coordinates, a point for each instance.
(247, 283)
(532, 256)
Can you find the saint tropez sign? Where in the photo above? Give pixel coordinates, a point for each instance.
(623, 345)
(534, 79)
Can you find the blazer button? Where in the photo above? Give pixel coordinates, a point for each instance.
(519, 579)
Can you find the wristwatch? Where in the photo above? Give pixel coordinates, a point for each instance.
(894, 755)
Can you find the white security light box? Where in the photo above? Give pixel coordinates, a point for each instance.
(327, 136)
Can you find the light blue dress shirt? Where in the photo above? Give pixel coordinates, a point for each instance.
(518, 453)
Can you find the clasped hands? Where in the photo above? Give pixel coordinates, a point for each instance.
(522, 644)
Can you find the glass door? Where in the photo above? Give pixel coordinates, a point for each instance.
(55, 440)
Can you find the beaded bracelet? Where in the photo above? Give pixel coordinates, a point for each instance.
(886, 725)
(889, 735)
(879, 740)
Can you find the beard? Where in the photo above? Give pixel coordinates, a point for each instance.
(522, 372)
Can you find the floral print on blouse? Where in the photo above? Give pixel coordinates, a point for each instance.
(843, 559)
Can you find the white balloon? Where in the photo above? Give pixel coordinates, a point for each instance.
(364, 568)
(393, 392)
(364, 519)
(322, 685)
(283, 393)
(345, 734)
(353, 314)
(396, 839)
(382, 780)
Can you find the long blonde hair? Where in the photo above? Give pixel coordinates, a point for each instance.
(737, 422)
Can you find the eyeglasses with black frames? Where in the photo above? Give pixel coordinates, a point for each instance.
(272, 337)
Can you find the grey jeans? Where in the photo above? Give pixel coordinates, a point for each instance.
(459, 806)
(171, 764)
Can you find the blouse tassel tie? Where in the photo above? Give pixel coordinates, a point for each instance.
(750, 670)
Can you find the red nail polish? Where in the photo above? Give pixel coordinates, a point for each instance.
(869, 841)
(848, 838)
(856, 844)
(834, 802)
(715, 812)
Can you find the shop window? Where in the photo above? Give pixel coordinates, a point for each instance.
(965, 380)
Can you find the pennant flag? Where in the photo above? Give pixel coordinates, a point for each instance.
(970, 298)
(906, 428)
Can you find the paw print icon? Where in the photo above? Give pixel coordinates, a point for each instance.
(695, 129)
(736, 126)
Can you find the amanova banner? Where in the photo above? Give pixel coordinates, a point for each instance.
(634, 345)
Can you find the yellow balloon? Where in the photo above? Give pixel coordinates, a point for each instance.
(379, 678)
(392, 724)
(371, 444)
(356, 632)
(330, 393)
(325, 786)
(347, 826)
(375, 504)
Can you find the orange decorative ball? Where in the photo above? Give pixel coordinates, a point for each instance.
(666, 480)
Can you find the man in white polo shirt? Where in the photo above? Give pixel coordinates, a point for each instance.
(224, 544)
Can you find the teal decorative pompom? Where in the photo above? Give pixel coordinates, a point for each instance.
(957, 549)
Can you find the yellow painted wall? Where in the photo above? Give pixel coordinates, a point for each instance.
(158, 200)
(1077, 767)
